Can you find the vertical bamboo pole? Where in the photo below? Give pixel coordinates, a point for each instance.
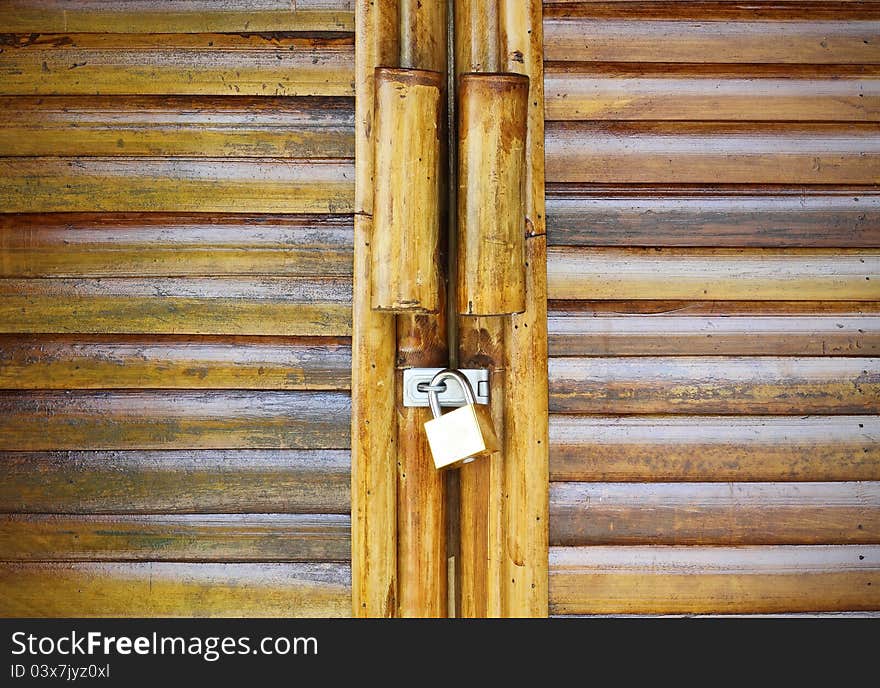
(481, 345)
(491, 193)
(421, 342)
(526, 475)
(373, 420)
(406, 202)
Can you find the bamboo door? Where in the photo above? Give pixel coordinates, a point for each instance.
(714, 248)
(175, 308)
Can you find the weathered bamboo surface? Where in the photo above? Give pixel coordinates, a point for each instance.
(158, 16)
(714, 448)
(156, 244)
(220, 64)
(405, 248)
(840, 33)
(183, 481)
(476, 48)
(713, 167)
(187, 537)
(204, 305)
(201, 126)
(422, 513)
(715, 385)
(714, 274)
(711, 217)
(525, 470)
(713, 153)
(68, 420)
(668, 92)
(715, 513)
(173, 362)
(176, 255)
(373, 412)
(681, 580)
(157, 184)
(732, 328)
(145, 589)
(492, 127)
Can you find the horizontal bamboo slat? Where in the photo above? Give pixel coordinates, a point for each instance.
(218, 64)
(715, 385)
(714, 448)
(714, 274)
(182, 481)
(217, 185)
(220, 537)
(276, 306)
(141, 245)
(45, 421)
(177, 126)
(129, 362)
(158, 16)
(149, 589)
(714, 513)
(720, 580)
(602, 91)
(712, 153)
(713, 217)
(712, 33)
(733, 328)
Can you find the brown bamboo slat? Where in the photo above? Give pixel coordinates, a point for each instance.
(713, 153)
(712, 217)
(219, 185)
(177, 126)
(177, 481)
(602, 91)
(279, 306)
(714, 274)
(712, 33)
(373, 412)
(219, 64)
(149, 589)
(159, 16)
(46, 421)
(715, 385)
(726, 580)
(130, 362)
(219, 537)
(139, 245)
(734, 328)
(712, 448)
(714, 513)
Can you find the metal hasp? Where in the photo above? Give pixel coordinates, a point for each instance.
(413, 378)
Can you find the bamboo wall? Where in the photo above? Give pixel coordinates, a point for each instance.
(714, 325)
(175, 308)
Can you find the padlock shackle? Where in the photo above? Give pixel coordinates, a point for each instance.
(442, 376)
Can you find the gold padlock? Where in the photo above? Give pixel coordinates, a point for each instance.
(458, 437)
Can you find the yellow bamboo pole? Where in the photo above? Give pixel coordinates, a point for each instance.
(422, 342)
(480, 345)
(373, 418)
(526, 474)
(406, 202)
(491, 193)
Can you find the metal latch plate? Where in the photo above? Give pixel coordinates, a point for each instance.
(453, 396)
